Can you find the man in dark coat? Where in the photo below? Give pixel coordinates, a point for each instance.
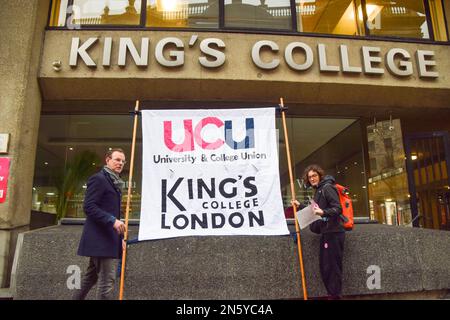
(102, 238)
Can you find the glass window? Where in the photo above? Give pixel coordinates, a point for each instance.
(107, 12)
(373, 163)
(427, 145)
(70, 149)
(413, 188)
(260, 14)
(388, 144)
(404, 18)
(437, 17)
(58, 13)
(320, 141)
(388, 184)
(329, 16)
(77, 144)
(183, 13)
(371, 146)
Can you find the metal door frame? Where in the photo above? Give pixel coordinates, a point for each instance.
(409, 167)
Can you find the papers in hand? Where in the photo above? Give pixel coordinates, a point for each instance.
(307, 216)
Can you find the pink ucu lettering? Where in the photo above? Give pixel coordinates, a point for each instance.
(195, 134)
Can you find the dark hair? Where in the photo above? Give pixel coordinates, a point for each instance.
(315, 168)
(110, 152)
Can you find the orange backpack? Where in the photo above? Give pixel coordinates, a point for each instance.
(347, 206)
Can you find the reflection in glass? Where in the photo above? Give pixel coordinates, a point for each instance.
(63, 138)
(388, 185)
(404, 18)
(183, 13)
(429, 174)
(261, 14)
(320, 141)
(329, 16)
(437, 17)
(58, 13)
(108, 12)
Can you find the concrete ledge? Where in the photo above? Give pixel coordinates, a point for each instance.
(5, 294)
(241, 267)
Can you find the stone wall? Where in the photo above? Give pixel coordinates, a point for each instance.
(240, 267)
(22, 26)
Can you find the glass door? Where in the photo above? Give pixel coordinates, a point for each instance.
(427, 159)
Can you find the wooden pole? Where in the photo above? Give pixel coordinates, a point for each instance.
(291, 178)
(130, 180)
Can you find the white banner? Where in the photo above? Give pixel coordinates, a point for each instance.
(210, 172)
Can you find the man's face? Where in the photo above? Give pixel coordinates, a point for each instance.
(313, 178)
(116, 162)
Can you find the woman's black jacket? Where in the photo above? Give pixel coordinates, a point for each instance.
(327, 198)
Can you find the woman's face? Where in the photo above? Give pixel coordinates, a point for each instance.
(313, 178)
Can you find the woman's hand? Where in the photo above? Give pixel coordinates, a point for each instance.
(295, 203)
(317, 210)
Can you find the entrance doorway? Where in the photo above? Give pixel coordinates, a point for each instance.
(427, 159)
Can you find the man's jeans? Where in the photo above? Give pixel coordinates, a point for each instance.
(101, 271)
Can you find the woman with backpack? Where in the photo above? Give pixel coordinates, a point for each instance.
(330, 227)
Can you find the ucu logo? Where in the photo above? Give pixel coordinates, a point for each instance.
(192, 134)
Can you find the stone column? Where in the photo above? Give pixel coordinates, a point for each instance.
(22, 27)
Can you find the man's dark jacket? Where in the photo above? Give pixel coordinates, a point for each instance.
(327, 198)
(102, 208)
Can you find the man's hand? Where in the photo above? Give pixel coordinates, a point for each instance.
(119, 226)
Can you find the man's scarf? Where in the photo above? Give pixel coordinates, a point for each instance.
(118, 183)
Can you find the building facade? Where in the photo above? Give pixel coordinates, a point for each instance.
(366, 83)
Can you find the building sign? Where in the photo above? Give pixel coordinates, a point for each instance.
(4, 173)
(170, 52)
(210, 172)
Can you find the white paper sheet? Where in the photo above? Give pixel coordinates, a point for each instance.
(307, 216)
